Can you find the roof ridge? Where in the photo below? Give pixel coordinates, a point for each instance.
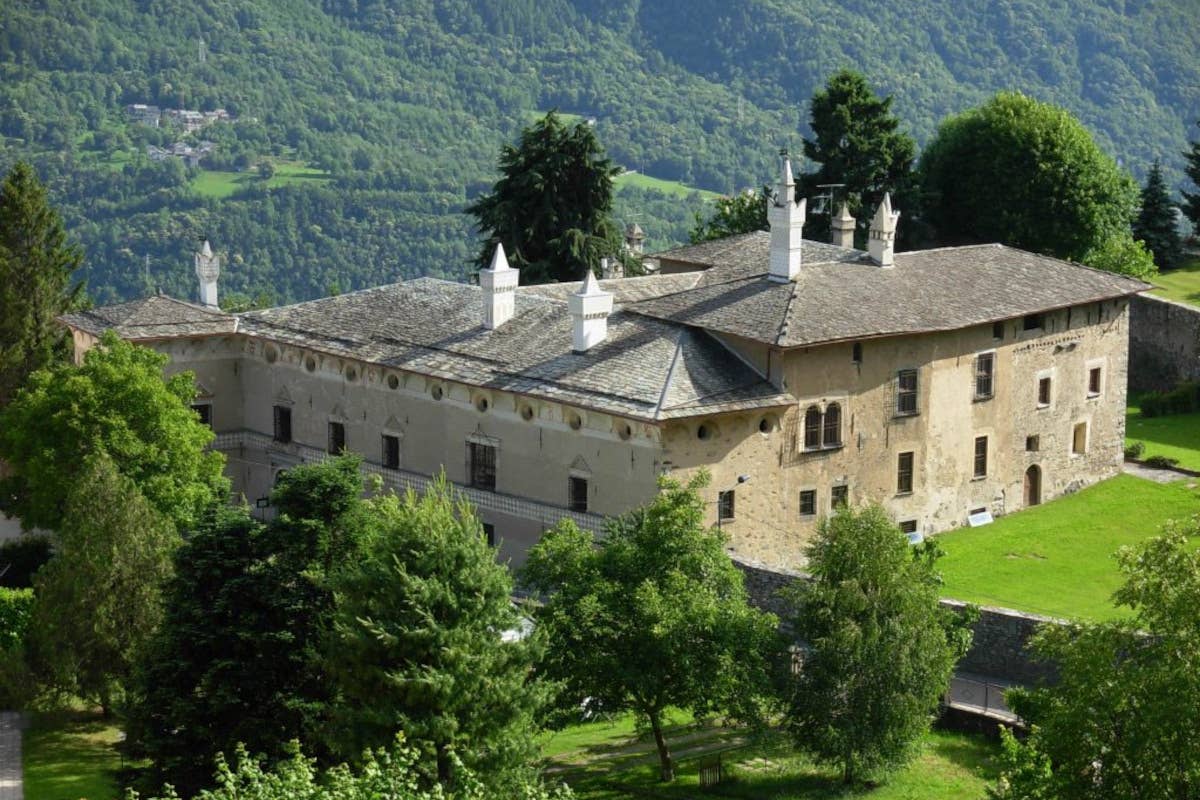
(662, 397)
(787, 315)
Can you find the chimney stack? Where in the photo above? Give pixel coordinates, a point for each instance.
(634, 238)
(843, 228)
(208, 269)
(882, 241)
(589, 308)
(787, 221)
(499, 284)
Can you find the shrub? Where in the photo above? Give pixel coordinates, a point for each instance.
(1183, 399)
(1135, 450)
(1161, 462)
(20, 558)
(15, 607)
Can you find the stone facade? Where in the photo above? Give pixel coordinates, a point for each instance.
(1164, 343)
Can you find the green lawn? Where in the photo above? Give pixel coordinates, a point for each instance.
(1056, 559)
(1181, 284)
(675, 188)
(606, 762)
(222, 185)
(70, 755)
(1176, 436)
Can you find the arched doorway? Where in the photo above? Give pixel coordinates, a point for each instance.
(1033, 485)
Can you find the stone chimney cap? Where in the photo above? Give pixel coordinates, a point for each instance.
(591, 286)
(885, 218)
(499, 260)
(206, 249)
(844, 214)
(635, 230)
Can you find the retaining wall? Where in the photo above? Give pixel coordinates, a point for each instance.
(1164, 343)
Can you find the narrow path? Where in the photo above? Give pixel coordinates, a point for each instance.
(10, 756)
(1154, 473)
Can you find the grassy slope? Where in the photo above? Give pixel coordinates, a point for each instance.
(222, 185)
(1176, 436)
(1056, 559)
(673, 188)
(1181, 284)
(69, 755)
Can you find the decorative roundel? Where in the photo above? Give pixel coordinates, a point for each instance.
(574, 420)
(526, 412)
(438, 392)
(271, 354)
(482, 404)
(393, 381)
(310, 363)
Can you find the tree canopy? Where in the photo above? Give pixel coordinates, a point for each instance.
(745, 212)
(1155, 223)
(655, 616)
(116, 402)
(37, 265)
(1124, 255)
(879, 647)
(552, 206)
(1027, 174)
(856, 141)
(1191, 200)
(1119, 720)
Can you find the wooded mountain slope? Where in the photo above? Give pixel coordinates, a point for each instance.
(399, 108)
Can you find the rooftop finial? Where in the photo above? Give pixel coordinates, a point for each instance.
(499, 285)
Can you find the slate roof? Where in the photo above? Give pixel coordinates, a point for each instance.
(748, 254)
(852, 298)
(646, 368)
(154, 317)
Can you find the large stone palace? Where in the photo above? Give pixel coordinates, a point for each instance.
(944, 384)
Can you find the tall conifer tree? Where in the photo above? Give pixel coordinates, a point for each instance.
(1191, 202)
(1155, 223)
(36, 264)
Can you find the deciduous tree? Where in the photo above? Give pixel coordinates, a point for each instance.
(742, 213)
(654, 616)
(424, 643)
(1122, 254)
(116, 403)
(552, 206)
(1155, 223)
(857, 141)
(1027, 174)
(1191, 201)
(880, 646)
(99, 598)
(1120, 719)
(37, 262)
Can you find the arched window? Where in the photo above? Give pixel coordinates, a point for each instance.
(812, 428)
(832, 435)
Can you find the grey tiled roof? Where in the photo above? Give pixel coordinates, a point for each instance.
(747, 254)
(154, 317)
(646, 368)
(624, 290)
(926, 290)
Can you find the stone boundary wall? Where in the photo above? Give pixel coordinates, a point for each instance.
(1164, 343)
(998, 650)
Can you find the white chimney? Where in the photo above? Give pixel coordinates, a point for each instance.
(882, 241)
(589, 308)
(208, 269)
(499, 284)
(843, 228)
(787, 220)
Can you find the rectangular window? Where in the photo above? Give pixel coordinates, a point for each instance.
(908, 526)
(808, 503)
(1033, 443)
(1043, 392)
(1094, 375)
(337, 438)
(481, 465)
(204, 412)
(906, 392)
(985, 367)
(904, 473)
(1032, 322)
(577, 494)
(981, 456)
(391, 451)
(489, 533)
(1079, 439)
(997, 334)
(283, 424)
(725, 505)
(839, 496)
(856, 352)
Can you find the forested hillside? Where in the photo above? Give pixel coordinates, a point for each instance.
(361, 128)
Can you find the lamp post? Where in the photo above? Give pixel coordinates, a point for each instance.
(740, 480)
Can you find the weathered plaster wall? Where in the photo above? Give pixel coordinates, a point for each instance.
(1164, 343)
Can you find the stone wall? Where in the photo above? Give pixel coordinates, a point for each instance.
(1164, 343)
(998, 649)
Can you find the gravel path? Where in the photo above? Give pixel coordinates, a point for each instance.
(10, 756)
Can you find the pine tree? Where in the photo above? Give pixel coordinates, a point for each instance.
(551, 208)
(857, 142)
(1191, 202)
(1155, 223)
(36, 265)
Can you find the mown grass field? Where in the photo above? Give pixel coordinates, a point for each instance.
(1181, 284)
(221, 185)
(609, 761)
(1176, 436)
(1057, 558)
(69, 755)
(674, 188)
